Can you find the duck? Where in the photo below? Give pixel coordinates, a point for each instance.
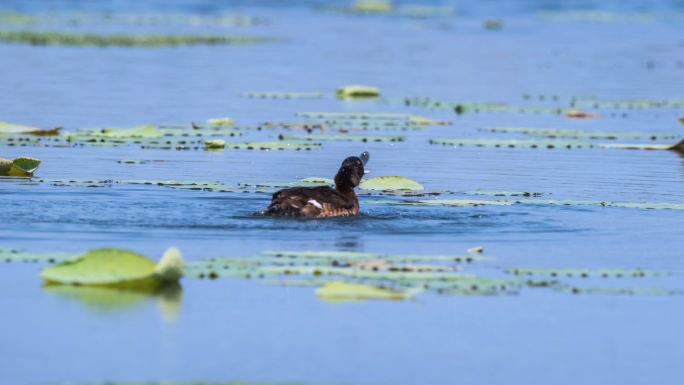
(323, 201)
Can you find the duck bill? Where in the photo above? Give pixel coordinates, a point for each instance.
(364, 157)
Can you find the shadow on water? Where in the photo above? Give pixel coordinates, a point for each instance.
(106, 299)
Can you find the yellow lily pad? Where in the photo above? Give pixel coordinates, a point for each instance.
(357, 91)
(389, 183)
(220, 122)
(380, 6)
(343, 291)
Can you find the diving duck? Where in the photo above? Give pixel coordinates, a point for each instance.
(323, 201)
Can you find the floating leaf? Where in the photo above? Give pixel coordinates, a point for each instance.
(342, 138)
(355, 115)
(23, 166)
(493, 25)
(456, 202)
(637, 146)
(318, 180)
(215, 144)
(459, 202)
(497, 193)
(512, 143)
(220, 122)
(282, 95)
(342, 291)
(565, 133)
(373, 6)
(89, 39)
(389, 183)
(116, 268)
(555, 144)
(142, 131)
(10, 128)
(357, 91)
(11, 255)
(585, 273)
(581, 114)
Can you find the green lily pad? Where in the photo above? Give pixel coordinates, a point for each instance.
(565, 133)
(12, 255)
(550, 144)
(640, 146)
(266, 146)
(382, 6)
(343, 291)
(499, 193)
(342, 138)
(123, 40)
(23, 166)
(389, 183)
(116, 268)
(585, 273)
(357, 92)
(215, 144)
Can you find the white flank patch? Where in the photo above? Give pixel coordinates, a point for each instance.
(315, 203)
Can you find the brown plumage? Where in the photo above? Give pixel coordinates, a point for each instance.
(323, 201)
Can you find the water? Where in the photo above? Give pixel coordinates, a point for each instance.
(241, 330)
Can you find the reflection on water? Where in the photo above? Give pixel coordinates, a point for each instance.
(108, 299)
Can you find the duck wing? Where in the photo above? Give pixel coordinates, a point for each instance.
(306, 201)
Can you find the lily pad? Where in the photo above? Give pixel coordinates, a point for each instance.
(342, 138)
(566, 133)
(215, 144)
(13, 255)
(343, 291)
(389, 183)
(550, 144)
(585, 273)
(282, 95)
(373, 6)
(23, 166)
(220, 122)
(357, 92)
(10, 128)
(116, 268)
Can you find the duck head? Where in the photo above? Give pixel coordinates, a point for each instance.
(351, 172)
